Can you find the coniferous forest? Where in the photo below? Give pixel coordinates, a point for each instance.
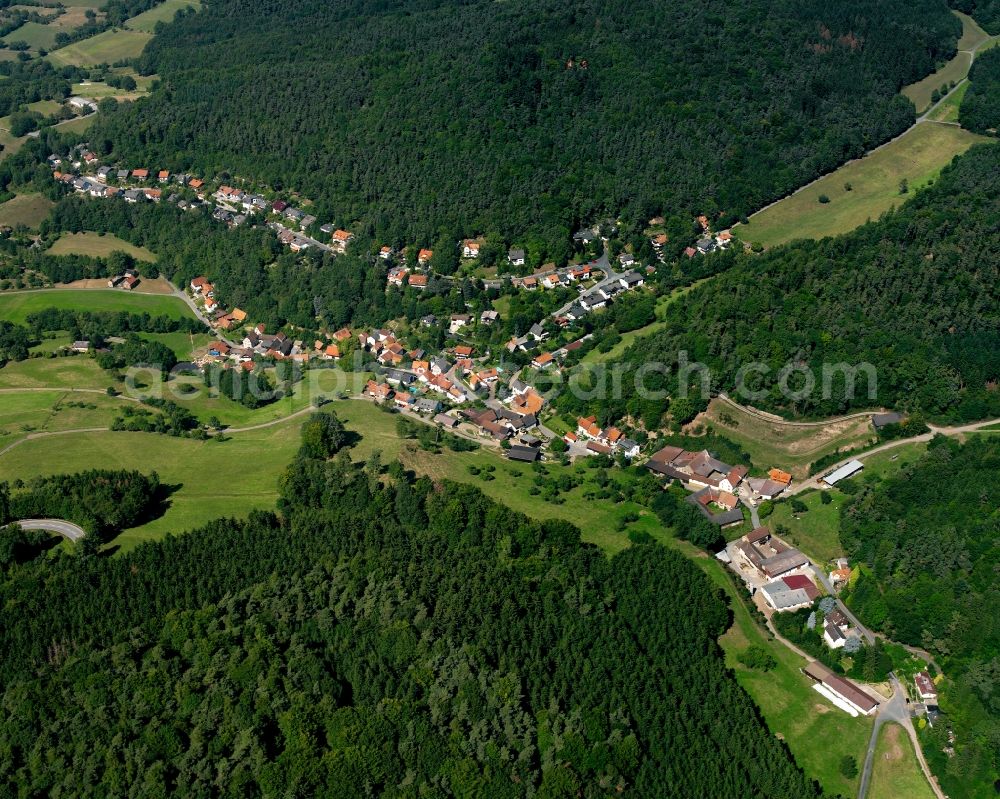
(421, 117)
(384, 635)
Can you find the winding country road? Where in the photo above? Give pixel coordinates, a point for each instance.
(66, 529)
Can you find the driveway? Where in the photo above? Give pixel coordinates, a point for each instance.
(604, 264)
(66, 529)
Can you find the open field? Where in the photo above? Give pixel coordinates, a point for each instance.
(25, 209)
(40, 36)
(106, 48)
(97, 245)
(918, 157)
(789, 447)
(817, 531)
(948, 110)
(57, 373)
(628, 339)
(164, 12)
(78, 125)
(211, 478)
(972, 34)
(896, 771)
(15, 306)
(48, 411)
(952, 72)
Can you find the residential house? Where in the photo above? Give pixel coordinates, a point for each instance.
(447, 421)
(926, 689)
(542, 361)
(140, 174)
(458, 321)
(767, 556)
(163, 176)
(790, 593)
(470, 248)
(631, 280)
(385, 253)
(103, 173)
(424, 256)
(380, 392)
(488, 317)
(515, 257)
(418, 281)
(341, 238)
(780, 477)
(764, 489)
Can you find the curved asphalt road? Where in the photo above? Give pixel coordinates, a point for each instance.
(66, 529)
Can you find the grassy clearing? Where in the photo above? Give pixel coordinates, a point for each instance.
(896, 771)
(628, 339)
(211, 479)
(920, 92)
(788, 447)
(918, 157)
(78, 125)
(25, 209)
(817, 531)
(972, 34)
(948, 110)
(58, 373)
(105, 48)
(15, 306)
(97, 245)
(162, 13)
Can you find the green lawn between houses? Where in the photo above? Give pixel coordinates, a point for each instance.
(15, 306)
(918, 156)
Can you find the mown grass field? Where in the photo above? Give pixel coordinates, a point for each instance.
(948, 110)
(106, 48)
(896, 772)
(97, 245)
(15, 306)
(918, 157)
(789, 447)
(952, 72)
(25, 209)
(164, 12)
(817, 531)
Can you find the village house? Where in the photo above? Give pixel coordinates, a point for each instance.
(843, 693)
(542, 361)
(418, 281)
(835, 629)
(385, 253)
(340, 239)
(926, 689)
(790, 593)
(766, 557)
(458, 321)
(470, 248)
(515, 257)
(380, 392)
(424, 256)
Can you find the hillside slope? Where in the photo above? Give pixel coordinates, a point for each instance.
(418, 116)
(916, 295)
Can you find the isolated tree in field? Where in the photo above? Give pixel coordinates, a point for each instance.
(322, 436)
(849, 767)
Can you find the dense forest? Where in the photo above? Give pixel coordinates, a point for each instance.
(916, 294)
(980, 109)
(418, 117)
(931, 539)
(385, 635)
(985, 12)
